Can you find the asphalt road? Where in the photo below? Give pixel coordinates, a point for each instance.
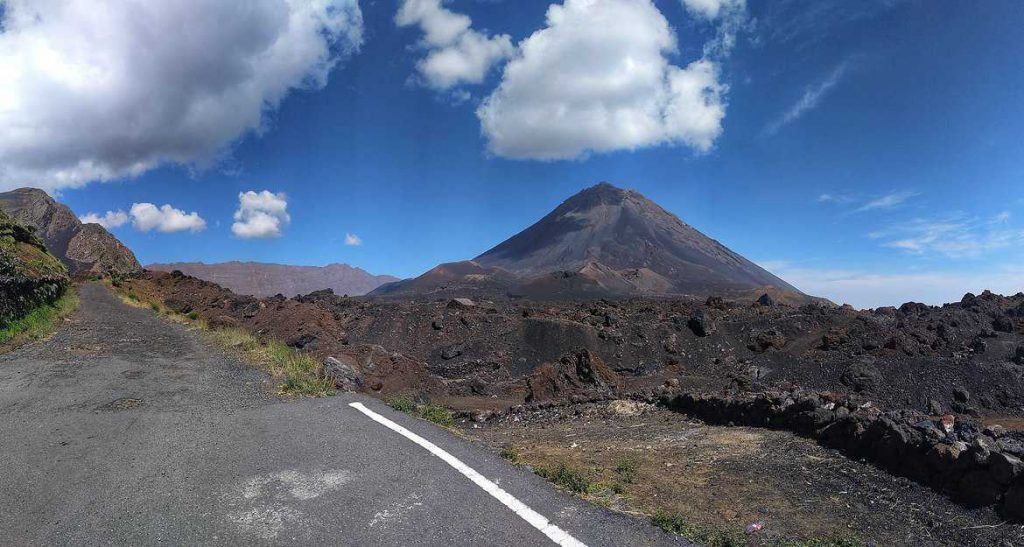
(124, 428)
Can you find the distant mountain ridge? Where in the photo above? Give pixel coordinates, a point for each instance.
(603, 241)
(268, 279)
(83, 248)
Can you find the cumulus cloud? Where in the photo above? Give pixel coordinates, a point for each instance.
(353, 240)
(597, 79)
(810, 100)
(110, 219)
(103, 91)
(167, 219)
(870, 289)
(456, 54)
(260, 215)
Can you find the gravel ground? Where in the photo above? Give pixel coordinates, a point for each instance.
(729, 477)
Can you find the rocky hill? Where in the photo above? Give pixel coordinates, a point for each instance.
(29, 275)
(84, 248)
(603, 241)
(262, 279)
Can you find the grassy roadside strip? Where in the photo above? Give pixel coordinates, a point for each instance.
(432, 413)
(39, 323)
(608, 487)
(299, 373)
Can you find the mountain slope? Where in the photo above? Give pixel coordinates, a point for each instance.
(29, 275)
(84, 248)
(622, 229)
(603, 241)
(263, 279)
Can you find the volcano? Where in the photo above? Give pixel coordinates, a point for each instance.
(603, 241)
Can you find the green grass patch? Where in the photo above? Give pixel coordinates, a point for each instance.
(627, 469)
(41, 321)
(300, 372)
(402, 403)
(510, 454)
(566, 477)
(438, 415)
(431, 413)
(703, 535)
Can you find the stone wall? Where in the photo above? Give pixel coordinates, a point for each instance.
(975, 466)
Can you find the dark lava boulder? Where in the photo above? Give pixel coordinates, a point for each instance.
(701, 323)
(862, 377)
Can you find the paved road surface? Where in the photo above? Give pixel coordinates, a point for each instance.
(127, 429)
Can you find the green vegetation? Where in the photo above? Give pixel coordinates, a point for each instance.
(22, 254)
(567, 478)
(727, 537)
(402, 403)
(627, 469)
(432, 413)
(437, 414)
(704, 535)
(512, 455)
(40, 321)
(825, 542)
(300, 373)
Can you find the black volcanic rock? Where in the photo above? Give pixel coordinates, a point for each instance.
(84, 248)
(263, 279)
(601, 242)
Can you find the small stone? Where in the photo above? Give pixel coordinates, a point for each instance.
(961, 395)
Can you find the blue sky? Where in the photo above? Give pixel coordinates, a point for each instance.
(869, 151)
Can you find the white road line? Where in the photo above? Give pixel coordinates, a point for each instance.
(538, 521)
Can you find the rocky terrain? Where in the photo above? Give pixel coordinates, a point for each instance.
(263, 279)
(966, 357)
(84, 248)
(29, 275)
(602, 242)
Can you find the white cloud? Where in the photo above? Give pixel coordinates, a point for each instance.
(869, 289)
(809, 100)
(260, 214)
(953, 236)
(353, 240)
(596, 79)
(711, 9)
(834, 198)
(100, 91)
(888, 201)
(111, 219)
(456, 54)
(167, 219)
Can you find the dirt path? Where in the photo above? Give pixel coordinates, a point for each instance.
(124, 428)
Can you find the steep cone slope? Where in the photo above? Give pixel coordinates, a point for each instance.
(604, 241)
(623, 230)
(84, 248)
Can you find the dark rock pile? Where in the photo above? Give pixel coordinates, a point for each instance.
(975, 465)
